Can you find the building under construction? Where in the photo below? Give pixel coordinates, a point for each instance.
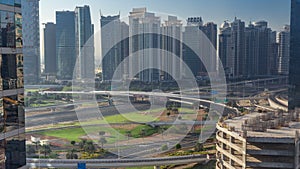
(265, 140)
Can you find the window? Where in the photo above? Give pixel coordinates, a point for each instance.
(8, 2)
(7, 29)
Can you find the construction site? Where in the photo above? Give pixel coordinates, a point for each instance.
(259, 140)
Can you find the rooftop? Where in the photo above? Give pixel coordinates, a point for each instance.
(269, 124)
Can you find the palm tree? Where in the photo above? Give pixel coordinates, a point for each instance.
(46, 150)
(82, 144)
(72, 155)
(198, 147)
(73, 142)
(89, 147)
(168, 114)
(36, 144)
(128, 134)
(102, 141)
(143, 133)
(101, 133)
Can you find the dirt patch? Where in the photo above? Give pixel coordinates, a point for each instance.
(125, 126)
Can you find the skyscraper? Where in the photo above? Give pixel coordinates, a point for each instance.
(265, 40)
(171, 42)
(248, 51)
(84, 31)
(294, 69)
(196, 35)
(31, 48)
(192, 34)
(238, 35)
(144, 33)
(111, 37)
(251, 50)
(50, 48)
(12, 117)
(210, 30)
(226, 49)
(65, 44)
(284, 50)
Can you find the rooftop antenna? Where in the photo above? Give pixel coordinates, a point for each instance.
(100, 12)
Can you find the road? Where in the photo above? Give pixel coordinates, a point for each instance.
(45, 118)
(96, 163)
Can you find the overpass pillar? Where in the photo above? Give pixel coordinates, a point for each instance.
(156, 167)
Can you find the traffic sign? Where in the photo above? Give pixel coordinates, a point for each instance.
(81, 166)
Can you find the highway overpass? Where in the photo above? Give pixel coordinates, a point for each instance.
(113, 163)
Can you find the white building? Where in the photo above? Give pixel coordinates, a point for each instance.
(172, 47)
(283, 40)
(144, 33)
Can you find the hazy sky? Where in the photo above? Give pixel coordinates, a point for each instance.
(276, 12)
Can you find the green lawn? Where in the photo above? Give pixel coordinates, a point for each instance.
(137, 131)
(112, 134)
(124, 118)
(69, 134)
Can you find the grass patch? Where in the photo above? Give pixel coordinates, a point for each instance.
(148, 131)
(113, 135)
(69, 134)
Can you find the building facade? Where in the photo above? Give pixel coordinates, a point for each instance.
(196, 35)
(226, 49)
(283, 40)
(65, 44)
(259, 140)
(50, 49)
(294, 69)
(192, 34)
(144, 33)
(31, 42)
(84, 32)
(114, 38)
(12, 116)
(248, 51)
(171, 47)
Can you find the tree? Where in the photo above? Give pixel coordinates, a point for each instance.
(72, 154)
(168, 114)
(128, 134)
(73, 142)
(30, 149)
(36, 144)
(143, 133)
(82, 144)
(101, 133)
(102, 141)
(199, 147)
(89, 147)
(46, 150)
(178, 146)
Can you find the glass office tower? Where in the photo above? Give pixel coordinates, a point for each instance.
(65, 44)
(84, 31)
(31, 41)
(12, 125)
(294, 69)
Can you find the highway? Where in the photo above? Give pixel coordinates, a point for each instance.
(137, 150)
(96, 163)
(45, 118)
